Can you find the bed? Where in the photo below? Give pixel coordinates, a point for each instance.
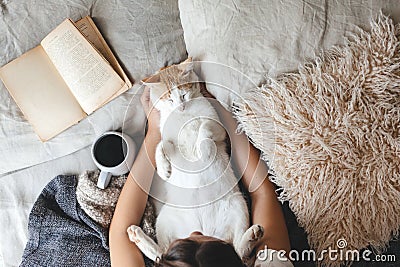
(245, 40)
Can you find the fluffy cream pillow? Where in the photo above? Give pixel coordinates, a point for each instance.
(331, 134)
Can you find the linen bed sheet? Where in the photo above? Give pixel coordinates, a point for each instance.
(145, 35)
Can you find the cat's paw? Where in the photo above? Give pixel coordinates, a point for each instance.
(163, 165)
(144, 242)
(134, 233)
(206, 150)
(212, 130)
(249, 241)
(255, 233)
(164, 171)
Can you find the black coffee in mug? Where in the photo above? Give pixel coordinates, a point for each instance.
(110, 150)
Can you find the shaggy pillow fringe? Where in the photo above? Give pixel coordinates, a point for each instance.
(330, 134)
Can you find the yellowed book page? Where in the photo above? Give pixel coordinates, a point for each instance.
(90, 78)
(41, 93)
(88, 29)
(123, 89)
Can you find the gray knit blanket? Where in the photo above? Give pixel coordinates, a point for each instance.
(61, 233)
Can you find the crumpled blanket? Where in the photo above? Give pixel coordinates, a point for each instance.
(61, 233)
(100, 204)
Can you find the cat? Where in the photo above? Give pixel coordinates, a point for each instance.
(192, 157)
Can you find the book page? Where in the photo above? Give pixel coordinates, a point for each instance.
(88, 29)
(90, 78)
(41, 93)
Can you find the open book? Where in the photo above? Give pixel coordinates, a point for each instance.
(67, 77)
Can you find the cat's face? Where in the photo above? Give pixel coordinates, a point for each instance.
(172, 88)
(179, 97)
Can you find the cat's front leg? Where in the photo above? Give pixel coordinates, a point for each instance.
(144, 242)
(209, 133)
(219, 132)
(248, 241)
(164, 148)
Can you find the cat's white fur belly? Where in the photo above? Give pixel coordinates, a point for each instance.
(210, 200)
(218, 219)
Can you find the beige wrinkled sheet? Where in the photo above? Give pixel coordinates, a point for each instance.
(145, 35)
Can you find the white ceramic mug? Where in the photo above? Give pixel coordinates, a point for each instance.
(113, 153)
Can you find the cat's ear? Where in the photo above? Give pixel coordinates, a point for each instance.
(153, 86)
(186, 67)
(151, 79)
(153, 82)
(157, 89)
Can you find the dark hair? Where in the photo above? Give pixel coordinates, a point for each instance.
(190, 253)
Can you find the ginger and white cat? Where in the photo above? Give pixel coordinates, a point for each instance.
(192, 157)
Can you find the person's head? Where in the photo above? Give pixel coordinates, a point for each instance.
(200, 251)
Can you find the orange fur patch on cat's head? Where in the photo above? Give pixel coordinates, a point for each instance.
(179, 76)
(174, 85)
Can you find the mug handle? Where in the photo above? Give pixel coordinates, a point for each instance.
(104, 179)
